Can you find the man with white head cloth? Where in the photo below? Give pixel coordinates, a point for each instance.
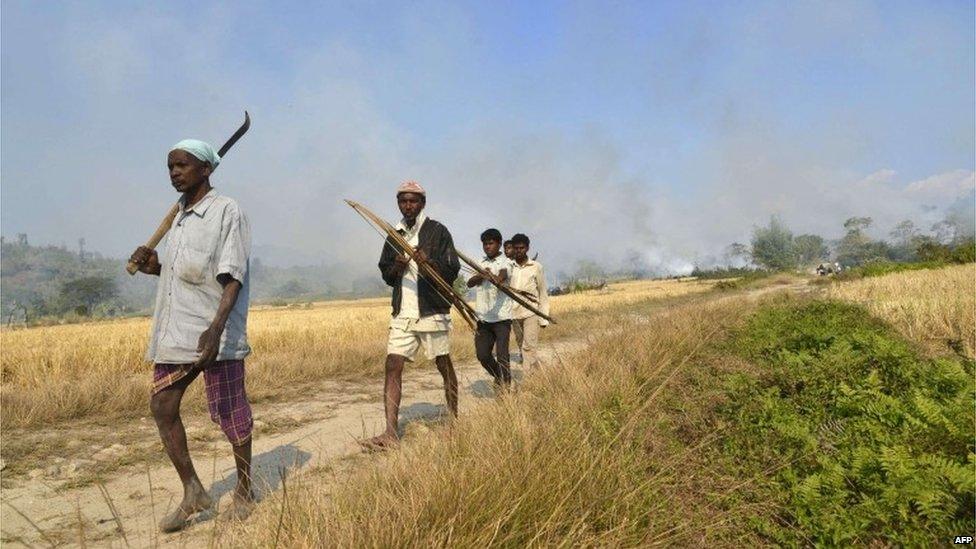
(200, 324)
(421, 316)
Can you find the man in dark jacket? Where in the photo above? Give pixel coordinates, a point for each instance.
(420, 314)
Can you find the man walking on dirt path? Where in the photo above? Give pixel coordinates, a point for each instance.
(420, 314)
(528, 276)
(200, 324)
(494, 310)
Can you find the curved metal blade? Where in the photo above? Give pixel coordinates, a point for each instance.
(237, 135)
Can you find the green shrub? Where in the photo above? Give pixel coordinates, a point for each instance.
(729, 272)
(868, 440)
(965, 252)
(725, 285)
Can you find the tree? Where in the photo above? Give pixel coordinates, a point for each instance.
(904, 232)
(809, 249)
(737, 251)
(965, 251)
(856, 247)
(928, 248)
(946, 231)
(589, 270)
(292, 288)
(82, 294)
(904, 237)
(857, 224)
(772, 246)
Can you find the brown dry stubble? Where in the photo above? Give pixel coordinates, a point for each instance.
(97, 370)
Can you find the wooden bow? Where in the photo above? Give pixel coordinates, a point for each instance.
(426, 269)
(504, 288)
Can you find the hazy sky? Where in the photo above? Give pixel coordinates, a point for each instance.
(601, 129)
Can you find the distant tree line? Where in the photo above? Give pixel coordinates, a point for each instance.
(52, 283)
(774, 246)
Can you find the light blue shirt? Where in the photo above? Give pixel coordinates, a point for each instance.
(211, 237)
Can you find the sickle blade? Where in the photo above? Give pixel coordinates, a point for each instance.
(237, 135)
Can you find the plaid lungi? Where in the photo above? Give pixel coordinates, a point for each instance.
(226, 398)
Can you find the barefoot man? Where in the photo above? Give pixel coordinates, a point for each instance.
(420, 314)
(528, 276)
(200, 324)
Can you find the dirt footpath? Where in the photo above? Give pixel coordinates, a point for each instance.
(321, 431)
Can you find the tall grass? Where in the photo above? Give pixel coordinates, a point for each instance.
(98, 370)
(699, 421)
(571, 460)
(935, 307)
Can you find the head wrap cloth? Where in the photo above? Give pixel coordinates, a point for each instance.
(200, 149)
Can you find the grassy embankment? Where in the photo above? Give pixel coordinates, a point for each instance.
(794, 420)
(96, 370)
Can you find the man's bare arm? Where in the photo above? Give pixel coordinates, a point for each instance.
(209, 343)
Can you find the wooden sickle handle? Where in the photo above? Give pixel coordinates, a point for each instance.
(161, 231)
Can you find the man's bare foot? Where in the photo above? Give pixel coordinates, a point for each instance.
(240, 507)
(243, 493)
(195, 499)
(380, 443)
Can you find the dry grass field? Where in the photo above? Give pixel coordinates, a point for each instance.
(934, 307)
(580, 456)
(615, 445)
(559, 464)
(97, 370)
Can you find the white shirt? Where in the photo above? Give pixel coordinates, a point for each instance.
(209, 238)
(409, 301)
(530, 278)
(491, 304)
(409, 316)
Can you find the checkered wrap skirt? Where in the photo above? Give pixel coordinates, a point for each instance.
(226, 398)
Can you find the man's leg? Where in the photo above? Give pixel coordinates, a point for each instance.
(518, 329)
(530, 342)
(165, 406)
(484, 340)
(502, 331)
(392, 389)
(401, 346)
(230, 408)
(446, 368)
(243, 501)
(242, 459)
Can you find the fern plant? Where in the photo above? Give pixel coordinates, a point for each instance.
(870, 441)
